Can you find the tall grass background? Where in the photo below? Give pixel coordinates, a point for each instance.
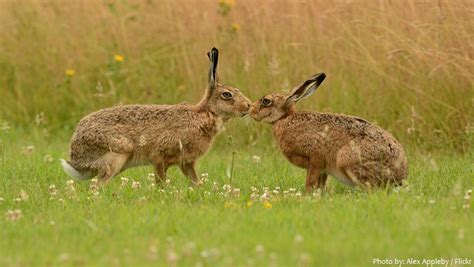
(406, 65)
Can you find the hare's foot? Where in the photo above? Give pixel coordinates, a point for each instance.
(160, 172)
(188, 169)
(315, 179)
(110, 165)
(322, 179)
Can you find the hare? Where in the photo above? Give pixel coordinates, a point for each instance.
(348, 148)
(111, 140)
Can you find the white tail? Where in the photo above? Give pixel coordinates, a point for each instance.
(73, 172)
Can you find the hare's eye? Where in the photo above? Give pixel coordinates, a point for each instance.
(226, 95)
(266, 102)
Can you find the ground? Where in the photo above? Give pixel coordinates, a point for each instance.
(48, 220)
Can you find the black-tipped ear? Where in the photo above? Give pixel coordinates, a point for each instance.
(307, 88)
(213, 56)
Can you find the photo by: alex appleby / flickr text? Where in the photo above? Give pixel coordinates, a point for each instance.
(422, 261)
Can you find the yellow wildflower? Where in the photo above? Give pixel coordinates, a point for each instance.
(249, 203)
(229, 3)
(235, 26)
(119, 58)
(70, 72)
(267, 205)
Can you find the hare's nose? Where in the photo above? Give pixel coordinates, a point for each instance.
(247, 105)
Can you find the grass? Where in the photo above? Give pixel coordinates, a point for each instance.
(214, 225)
(405, 64)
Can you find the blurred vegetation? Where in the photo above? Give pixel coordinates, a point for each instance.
(406, 65)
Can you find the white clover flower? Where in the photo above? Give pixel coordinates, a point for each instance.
(151, 177)
(256, 159)
(48, 159)
(13, 215)
(136, 184)
(23, 195)
(299, 239)
(264, 196)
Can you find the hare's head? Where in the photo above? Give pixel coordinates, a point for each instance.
(223, 100)
(273, 107)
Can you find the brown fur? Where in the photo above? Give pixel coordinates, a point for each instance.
(346, 147)
(111, 140)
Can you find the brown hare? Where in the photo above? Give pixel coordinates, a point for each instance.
(111, 140)
(351, 149)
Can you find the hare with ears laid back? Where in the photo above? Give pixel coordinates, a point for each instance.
(351, 149)
(111, 140)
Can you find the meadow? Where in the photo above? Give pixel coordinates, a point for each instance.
(408, 66)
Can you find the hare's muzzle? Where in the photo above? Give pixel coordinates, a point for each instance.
(254, 112)
(244, 108)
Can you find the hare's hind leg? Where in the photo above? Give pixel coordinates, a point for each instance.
(110, 165)
(188, 169)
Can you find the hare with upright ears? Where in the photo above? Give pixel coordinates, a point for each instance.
(348, 148)
(111, 140)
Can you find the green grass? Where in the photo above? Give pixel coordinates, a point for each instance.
(174, 224)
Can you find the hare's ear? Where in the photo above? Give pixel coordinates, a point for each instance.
(213, 56)
(306, 88)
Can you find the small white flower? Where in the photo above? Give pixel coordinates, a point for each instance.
(48, 159)
(299, 239)
(259, 249)
(264, 196)
(151, 177)
(432, 201)
(136, 184)
(13, 215)
(23, 195)
(256, 159)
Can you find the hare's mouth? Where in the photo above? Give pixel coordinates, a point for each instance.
(244, 114)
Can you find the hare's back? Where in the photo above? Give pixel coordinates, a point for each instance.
(121, 125)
